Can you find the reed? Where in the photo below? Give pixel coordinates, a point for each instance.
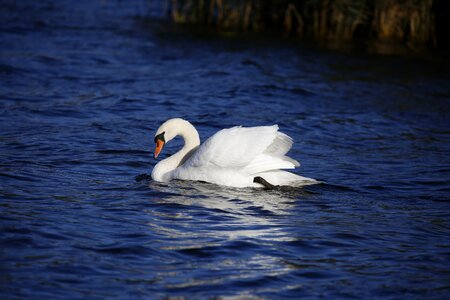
(410, 22)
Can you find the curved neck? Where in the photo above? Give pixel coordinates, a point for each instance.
(190, 137)
(191, 142)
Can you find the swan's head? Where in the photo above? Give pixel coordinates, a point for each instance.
(168, 131)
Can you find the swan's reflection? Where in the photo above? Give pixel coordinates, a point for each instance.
(222, 234)
(221, 212)
(274, 202)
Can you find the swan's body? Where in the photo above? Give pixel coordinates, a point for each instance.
(231, 157)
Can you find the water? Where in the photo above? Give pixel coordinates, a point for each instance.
(84, 86)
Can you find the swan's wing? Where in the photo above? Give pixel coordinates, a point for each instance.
(273, 158)
(265, 162)
(236, 147)
(281, 145)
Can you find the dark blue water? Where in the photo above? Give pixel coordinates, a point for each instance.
(84, 86)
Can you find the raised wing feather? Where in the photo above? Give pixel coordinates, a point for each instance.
(274, 158)
(235, 147)
(281, 145)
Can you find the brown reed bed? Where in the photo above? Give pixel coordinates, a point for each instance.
(407, 22)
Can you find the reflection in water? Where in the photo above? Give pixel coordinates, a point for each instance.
(213, 221)
(241, 209)
(213, 196)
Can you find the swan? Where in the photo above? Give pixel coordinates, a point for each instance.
(236, 157)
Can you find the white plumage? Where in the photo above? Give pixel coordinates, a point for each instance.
(231, 157)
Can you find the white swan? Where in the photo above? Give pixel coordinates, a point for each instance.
(236, 157)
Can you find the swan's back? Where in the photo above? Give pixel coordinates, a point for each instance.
(237, 155)
(234, 147)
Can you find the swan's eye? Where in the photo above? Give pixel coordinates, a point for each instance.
(160, 137)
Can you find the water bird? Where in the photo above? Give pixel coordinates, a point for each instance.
(236, 157)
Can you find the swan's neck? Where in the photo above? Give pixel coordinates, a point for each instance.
(161, 172)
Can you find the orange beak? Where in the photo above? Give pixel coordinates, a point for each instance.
(159, 146)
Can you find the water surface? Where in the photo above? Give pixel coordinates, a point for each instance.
(85, 85)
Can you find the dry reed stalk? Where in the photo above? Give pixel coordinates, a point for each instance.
(247, 14)
(291, 12)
